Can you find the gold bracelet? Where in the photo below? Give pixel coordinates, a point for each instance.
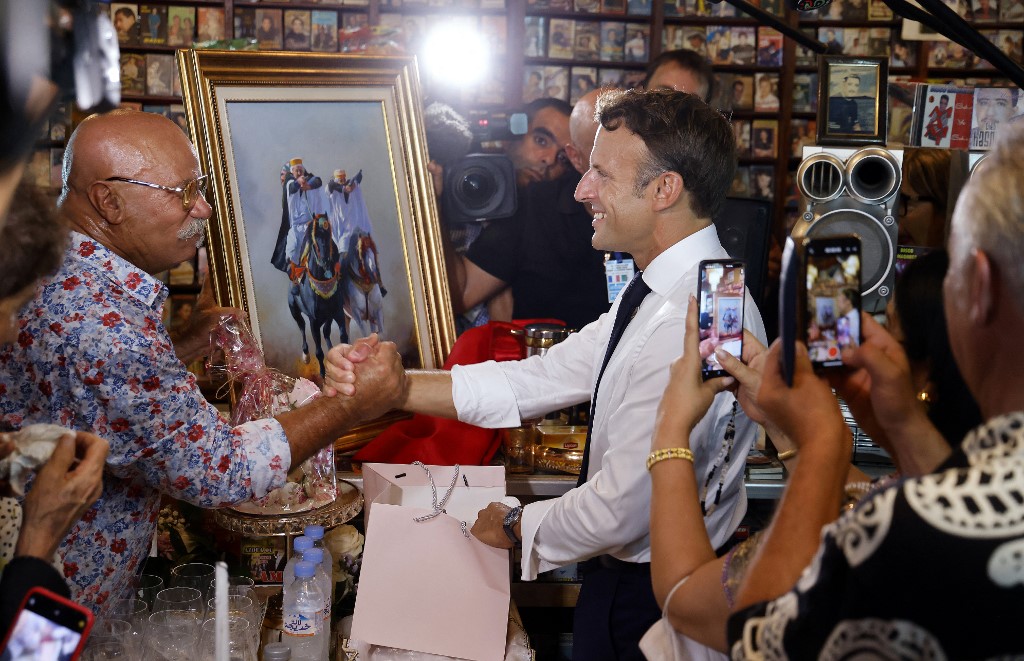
(788, 454)
(669, 453)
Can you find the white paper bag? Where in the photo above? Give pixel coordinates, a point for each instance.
(428, 585)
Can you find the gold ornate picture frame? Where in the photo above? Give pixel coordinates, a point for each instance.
(252, 115)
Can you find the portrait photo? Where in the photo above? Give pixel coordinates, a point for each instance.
(852, 103)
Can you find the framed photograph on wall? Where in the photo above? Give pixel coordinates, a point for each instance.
(325, 225)
(852, 100)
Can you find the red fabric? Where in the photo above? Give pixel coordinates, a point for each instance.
(443, 442)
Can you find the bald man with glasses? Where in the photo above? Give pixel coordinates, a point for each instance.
(93, 354)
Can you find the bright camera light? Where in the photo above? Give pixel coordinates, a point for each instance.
(456, 55)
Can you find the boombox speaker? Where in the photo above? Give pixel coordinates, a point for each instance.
(744, 227)
(854, 191)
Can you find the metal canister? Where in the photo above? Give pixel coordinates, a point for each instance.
(541, 337)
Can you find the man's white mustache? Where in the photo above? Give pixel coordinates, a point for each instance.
(195, 228)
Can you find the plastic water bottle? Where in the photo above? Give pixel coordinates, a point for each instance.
(315, 556)
(316, 533)
(276, 652)
(302, 628)
(300, 544)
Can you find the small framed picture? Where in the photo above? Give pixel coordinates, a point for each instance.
(852, 100)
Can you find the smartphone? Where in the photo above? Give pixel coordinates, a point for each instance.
(831, 310)
(48, 626)
(720, 295)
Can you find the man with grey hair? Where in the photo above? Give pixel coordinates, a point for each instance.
(93, 354)
(929, 566)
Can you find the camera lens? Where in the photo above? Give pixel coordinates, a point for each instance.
(477, 188)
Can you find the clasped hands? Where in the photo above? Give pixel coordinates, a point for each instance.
(372, 367)
(344, 375)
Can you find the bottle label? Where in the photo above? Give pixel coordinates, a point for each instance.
(301, 624)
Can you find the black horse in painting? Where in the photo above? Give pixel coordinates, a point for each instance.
(318, 294)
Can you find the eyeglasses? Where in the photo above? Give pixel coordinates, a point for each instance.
(190, 192)
(907, 200)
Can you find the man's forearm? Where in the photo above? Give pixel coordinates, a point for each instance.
(430, 393)
(317, 424)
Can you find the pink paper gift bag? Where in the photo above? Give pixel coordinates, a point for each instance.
(424, 585)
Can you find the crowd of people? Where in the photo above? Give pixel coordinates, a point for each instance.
(922, 564)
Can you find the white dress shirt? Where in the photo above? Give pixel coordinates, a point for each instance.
(610, 513)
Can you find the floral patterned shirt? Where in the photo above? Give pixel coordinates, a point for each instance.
(93, 354)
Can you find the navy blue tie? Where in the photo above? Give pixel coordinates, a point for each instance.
(632, 297)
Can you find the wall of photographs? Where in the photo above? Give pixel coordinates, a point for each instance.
(564, 48)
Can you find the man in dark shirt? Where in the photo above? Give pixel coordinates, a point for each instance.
(843, 110)
(543, 252)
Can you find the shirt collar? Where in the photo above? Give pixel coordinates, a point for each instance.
(125, 275)
(663, 273)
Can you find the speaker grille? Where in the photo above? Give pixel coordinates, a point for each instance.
(821, 179)
(873, 175)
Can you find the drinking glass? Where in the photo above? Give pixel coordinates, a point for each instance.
(136, 613)
(110, 630)
(144, 587)
(192, 575)
(106, 652)
(245, 609)
(179, 599)
(172, 634)
(240, 644)
(241, 585)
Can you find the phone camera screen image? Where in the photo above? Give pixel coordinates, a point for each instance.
(721, 313)
(833, 298)
(46, 629)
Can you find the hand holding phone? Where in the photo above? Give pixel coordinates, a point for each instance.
(48, 626)
(720, 296)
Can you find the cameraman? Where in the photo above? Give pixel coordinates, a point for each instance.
(543, 252)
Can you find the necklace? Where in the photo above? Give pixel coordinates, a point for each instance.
(724, 456)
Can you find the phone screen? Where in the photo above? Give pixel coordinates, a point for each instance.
(720, 296)
(48, 627)
(832, 312)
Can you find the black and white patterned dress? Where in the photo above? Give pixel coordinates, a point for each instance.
(931, 568)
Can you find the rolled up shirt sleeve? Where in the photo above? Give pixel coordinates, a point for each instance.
(160, 425)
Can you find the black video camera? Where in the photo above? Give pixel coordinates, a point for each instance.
(477, 186)
(70, 42)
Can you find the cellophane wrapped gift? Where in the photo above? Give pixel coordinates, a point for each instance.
(265, 392)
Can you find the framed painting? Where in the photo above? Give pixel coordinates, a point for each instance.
(325, 225)
(852, 100)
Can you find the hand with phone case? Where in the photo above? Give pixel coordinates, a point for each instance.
(47, 627)
(67, 485)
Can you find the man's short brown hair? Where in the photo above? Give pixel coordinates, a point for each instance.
(682, 134)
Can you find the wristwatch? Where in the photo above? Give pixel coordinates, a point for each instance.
(511, 519)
